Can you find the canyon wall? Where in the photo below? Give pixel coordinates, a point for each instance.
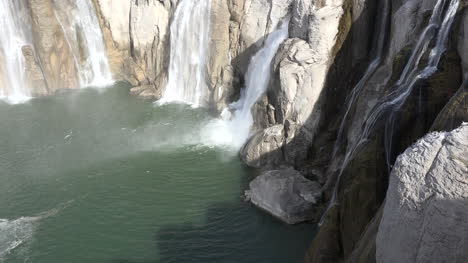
(355, 84)
(50, 45)
(351, 88)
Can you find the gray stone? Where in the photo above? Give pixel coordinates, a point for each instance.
(263, 149)
(285, 194)
(425, 216)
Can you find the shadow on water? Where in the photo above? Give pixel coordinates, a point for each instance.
(225, 238)
(231, 232)
(230, 241)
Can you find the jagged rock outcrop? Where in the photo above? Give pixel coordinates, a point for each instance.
(136, 35)
(55, 55)
(424, 218)
(455, 112)
(348, 233)
(238, 32)
(269, 140)
(137, 39)
(300, 72)
(286, 194)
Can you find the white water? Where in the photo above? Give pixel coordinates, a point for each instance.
(404, 86)
(234, 128)
(84, 36)
(13, 36)
(351, 100)
(431, 67)
(190, 32)
(17, 232)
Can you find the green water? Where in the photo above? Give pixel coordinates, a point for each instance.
(100, 176)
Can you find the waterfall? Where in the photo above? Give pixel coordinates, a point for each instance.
(189, 54)
(234, 129)
(84, 36)
(431, 67)
(14, 35)
(437, 27)
(351, 100)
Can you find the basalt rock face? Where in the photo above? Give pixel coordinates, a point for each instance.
(437, 102)
(56, 58)
(424, 218)
(137, 37)
(297, 94)
(136, 34)
(331, 47)
(34, 73)
(239, 29)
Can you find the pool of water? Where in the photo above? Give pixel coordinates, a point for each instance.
(97, 175)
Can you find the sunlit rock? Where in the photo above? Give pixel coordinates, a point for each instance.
(426, 209)
(285, 194)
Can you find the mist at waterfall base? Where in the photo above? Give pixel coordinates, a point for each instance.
(234, 127)
(100, 176)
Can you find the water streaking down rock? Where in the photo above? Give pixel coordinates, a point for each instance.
(286, 194)
(425, 215)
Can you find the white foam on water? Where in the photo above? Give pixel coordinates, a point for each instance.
(234, 127)
(17, 232)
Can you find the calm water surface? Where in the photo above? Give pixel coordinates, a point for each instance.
(100, 176)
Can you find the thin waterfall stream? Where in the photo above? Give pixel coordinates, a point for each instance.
(438, 27)
(84, 36)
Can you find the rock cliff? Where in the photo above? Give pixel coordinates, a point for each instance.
(56, 59)
(424, 217)
(333, 109)
(354, 85)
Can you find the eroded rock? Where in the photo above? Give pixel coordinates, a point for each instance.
(56, 57)
(285, 194)
(426, 210)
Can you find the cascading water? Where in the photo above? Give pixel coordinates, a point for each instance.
(431, 67)
(189, 54)
(234, 129)
(85, 38)
(379, 47)
(404, 86)
(13, 37)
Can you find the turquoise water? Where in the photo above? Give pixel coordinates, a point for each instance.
(100, 176)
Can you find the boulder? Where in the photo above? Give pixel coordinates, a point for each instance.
(426, 209)
(285, 194)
